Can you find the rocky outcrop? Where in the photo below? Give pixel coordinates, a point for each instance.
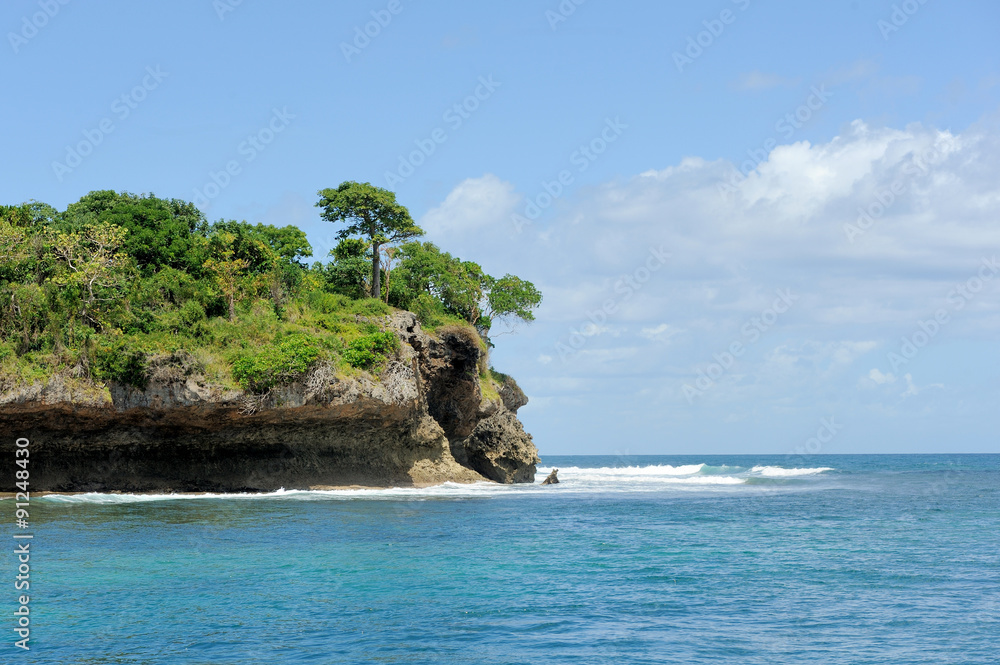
(485, 435)
(182, 433)
(499, 449)
(512, 395)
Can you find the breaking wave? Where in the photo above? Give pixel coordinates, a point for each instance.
(778, 472)
(573, 480)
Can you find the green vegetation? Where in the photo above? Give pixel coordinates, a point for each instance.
(259, 371)
(438, 286)
(370, 350)
(100, 291)
(371, 212)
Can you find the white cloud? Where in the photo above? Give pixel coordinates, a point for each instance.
(786, 226)
(781, 228)
(661, 333)
(858, 70)
(594, 330)
(880, 378)
(473, 205)
(912, 390)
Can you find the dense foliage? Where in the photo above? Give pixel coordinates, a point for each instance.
(97, 291)
(371, 212)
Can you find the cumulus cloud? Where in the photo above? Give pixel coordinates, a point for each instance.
(474, 204)
(874, 216)
(870, 231)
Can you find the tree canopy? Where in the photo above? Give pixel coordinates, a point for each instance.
(159, 232)
(371, 212)
(461, 288)
(95, 290)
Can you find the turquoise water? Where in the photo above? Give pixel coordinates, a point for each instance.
(829, 559)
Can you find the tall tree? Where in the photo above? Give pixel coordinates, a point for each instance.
(371, 212)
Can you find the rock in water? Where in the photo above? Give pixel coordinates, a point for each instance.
(552, 479)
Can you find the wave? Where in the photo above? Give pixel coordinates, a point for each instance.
(651, 470)
(779, 472)
(707, 469)
(573, 480)
(443, 490)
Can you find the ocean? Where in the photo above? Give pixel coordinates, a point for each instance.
(677, 559)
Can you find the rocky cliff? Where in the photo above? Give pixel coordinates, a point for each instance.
(423, 420)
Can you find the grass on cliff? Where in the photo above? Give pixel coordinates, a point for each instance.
(489, 386)
(255, 352)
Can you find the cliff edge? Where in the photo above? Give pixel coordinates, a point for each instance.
(423, 420)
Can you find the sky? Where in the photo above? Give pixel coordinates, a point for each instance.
(758, 227)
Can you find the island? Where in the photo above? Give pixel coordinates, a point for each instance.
(143, 349)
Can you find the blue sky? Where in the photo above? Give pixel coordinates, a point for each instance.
(835, 161)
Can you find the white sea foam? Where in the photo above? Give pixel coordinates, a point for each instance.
(779, 472)
(573, 480)
(618, 471)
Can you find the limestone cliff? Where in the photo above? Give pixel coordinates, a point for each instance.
(423, 420)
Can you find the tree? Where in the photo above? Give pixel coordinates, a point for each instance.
(461, 287)
(371, 212)
(390, 254)
(30, 214)
(13, 245)
(262, 245)
(350, 267)
(160, 232)
(272, 255)
(227, 270)
(509, 297)
(91, 262)
(457, 284)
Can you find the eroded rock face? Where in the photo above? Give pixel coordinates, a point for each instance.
(512, 395)
(449, 374)
(181, 433)
(500, 450)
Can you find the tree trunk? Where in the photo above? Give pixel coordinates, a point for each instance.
(232, 308)
(376, 273)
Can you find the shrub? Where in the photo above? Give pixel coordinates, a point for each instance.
(326, 303)
(370, 350)
(429, 310)
(369, 307)
(279, 363)
(192, 313)
(121, 359)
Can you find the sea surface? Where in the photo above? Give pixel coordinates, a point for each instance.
(696, 559)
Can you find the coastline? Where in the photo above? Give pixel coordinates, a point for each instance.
(424, 418)
(312, 488)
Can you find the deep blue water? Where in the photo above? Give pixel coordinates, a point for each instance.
(877, 559)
